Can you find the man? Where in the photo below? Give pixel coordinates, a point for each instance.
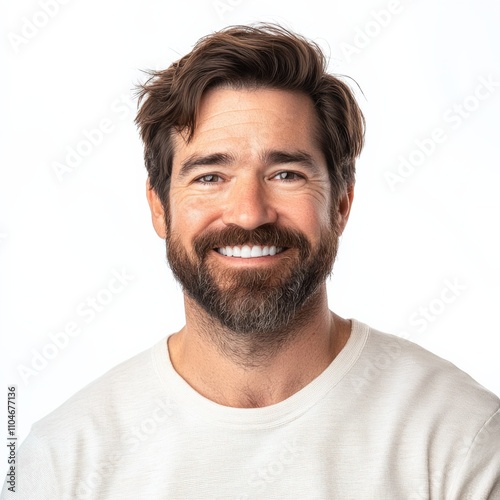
(250, 148)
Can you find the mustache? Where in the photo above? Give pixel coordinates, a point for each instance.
(267, 234)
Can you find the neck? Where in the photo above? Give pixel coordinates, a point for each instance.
(245, 370)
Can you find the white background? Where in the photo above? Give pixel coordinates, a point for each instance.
(62, 237)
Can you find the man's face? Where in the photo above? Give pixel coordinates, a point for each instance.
(252, 232)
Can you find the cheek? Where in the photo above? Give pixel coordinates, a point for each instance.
(312, 214)
(315, 222)
(190, 215)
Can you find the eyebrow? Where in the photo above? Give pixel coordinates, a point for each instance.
(270, 157)
(197, 160)
(274, 157)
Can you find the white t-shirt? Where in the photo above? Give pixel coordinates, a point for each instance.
(386, 420)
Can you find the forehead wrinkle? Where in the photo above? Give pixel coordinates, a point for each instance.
(213, 120)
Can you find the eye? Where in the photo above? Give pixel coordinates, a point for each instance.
(209, 179)
(288, 176)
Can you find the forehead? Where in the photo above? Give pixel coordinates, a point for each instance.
(252, 119)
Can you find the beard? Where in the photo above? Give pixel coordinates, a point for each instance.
(254, 303)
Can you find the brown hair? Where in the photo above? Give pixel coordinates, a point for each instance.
(265, 55)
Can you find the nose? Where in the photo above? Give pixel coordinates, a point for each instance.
(249, 204)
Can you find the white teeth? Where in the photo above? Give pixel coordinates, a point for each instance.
(256, 251)
(247, 251)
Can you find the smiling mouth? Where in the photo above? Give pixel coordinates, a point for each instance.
(249, 251)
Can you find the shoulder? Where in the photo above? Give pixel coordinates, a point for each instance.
(428, 409)
(104, 399)
(66, 446)
(396, 367)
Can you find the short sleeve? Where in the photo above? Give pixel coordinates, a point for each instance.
(479, 476)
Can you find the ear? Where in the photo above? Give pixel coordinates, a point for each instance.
(157, 211)
(344, 206)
